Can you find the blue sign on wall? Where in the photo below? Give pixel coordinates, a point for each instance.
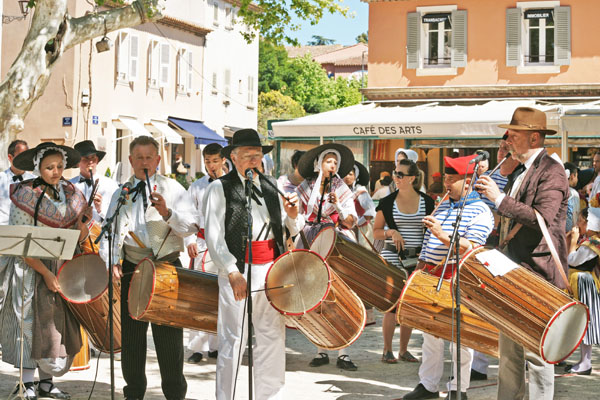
(67, 121)
(95, 119)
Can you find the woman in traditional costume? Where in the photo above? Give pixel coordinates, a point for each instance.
(51, 334)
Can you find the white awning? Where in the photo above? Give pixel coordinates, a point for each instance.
(163, 130)
(376, 121)
(132, 125)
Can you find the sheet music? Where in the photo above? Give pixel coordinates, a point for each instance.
(497, 263)
(38, 241)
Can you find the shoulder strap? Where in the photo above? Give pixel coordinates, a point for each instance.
(553, 251)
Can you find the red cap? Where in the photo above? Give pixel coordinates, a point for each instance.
(459, 165)
(436, 175)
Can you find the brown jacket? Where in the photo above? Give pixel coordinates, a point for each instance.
(546, 189)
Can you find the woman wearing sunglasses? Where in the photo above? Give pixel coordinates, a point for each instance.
(399, 222)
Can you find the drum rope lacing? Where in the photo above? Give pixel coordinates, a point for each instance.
(299, 283)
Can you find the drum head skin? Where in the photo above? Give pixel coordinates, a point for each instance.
(141, 289)
(564, 332)
(309, 275)
(324, 242)
(83, 279)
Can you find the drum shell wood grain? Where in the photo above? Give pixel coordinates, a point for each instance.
(365, 272)
(81, 361)
(524, 307)
(84, 285)
(163, 294)
(422, 307)
(337, 317)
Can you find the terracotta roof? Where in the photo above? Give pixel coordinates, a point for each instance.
(185, 26)
(251, 6)
(314, 51)
(354, 61)
(344, 53)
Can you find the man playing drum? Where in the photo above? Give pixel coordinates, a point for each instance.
(540, 184)
(158, 216)
(214, 163)
(226, 219)
(476, 224)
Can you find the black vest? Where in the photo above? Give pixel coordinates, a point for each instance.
(386, 206)
(236, 215)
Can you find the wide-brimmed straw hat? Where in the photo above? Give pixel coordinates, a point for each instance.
(24, 161)
(306, 165)
(529, 119)
(245, 137)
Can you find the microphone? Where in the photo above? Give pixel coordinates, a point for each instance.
(249, 173)
(125, 189)
(481, 156)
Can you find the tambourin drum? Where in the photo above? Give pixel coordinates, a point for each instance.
(81, 361)
(84, 285)
(163, 294)
(525, 307)
(319, 304)
(367, 273)
(423, 307)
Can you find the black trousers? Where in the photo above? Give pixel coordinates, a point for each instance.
(169, 350)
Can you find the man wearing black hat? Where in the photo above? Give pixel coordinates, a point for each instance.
(226, 231)
(90, 157)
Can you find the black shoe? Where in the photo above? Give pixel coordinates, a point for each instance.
(569, 370)
(213, 354)
(452, 395)
(319, 360)
(49, 394)
(345, 363)
(31, 387)
(421, 393)
(195, 358)
(478, 376)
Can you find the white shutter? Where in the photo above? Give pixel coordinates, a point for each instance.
(123, 57)
(164, 64)
(181, 70)
(513, 37)
(413, 40)
(214, 83)
(227, 82)
(154, 63)
(134, 56)
(190, 71)
(250, 90)
(459, 38)
(562, 35)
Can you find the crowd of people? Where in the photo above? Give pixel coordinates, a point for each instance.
(408, 225)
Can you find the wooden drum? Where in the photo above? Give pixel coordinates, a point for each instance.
(319, 304)
(81, 361)
(525, 307)
(84, 285)
(163, 294)
(368, 274)
(423, 307)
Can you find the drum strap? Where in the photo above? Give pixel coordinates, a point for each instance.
(553, 251)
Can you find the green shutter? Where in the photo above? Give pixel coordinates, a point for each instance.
(413, 40)
(513, 37)
(562, 35)
(459, 38)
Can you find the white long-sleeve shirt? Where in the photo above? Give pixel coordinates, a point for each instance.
(6, 179)
(106, 188)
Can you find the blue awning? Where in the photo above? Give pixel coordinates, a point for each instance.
(202, 133)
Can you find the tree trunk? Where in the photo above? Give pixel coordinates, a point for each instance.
(52, 32)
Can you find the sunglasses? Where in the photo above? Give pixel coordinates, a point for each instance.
(400, 174)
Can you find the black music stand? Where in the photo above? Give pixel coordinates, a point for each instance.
(35, 242)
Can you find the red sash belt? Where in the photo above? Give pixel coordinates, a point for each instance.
(200, 234)
(436, 270)
(263, 251)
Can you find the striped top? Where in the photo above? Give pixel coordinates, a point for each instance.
(501, 181)
(476, 224)
(410, 227)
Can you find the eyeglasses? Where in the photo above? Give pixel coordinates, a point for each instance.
(400, 174)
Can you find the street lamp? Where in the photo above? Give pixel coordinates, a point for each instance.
(24, 6)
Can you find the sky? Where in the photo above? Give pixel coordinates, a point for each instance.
(342, 30)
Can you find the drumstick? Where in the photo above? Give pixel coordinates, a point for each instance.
(137, 239)
(289, 285)
(273, 185)
(441, 201)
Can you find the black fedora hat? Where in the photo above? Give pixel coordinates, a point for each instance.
(87, 148)
(245, 137)
(307, 161)
(24, 161)
(363, 174)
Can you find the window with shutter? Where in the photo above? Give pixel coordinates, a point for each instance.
(227, 82)
(513, 36)
(165, 50)
(228, 18)
(181, 71)
(214, 89)
(190, 71)
(216, 13)
(459, 38)
(250, 91)
(562, 35)
(133, 57)
(123, 57)
(153, 64)
(413, 36)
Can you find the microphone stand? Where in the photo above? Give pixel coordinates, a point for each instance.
(249, 283)
(455, 241)
(107, 230)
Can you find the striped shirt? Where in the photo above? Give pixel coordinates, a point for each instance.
(501, 181)
(410, 227)
(476, 224)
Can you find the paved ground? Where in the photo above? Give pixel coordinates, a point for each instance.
(373, 380)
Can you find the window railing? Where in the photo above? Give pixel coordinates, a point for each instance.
(538, 59)
(438, 61)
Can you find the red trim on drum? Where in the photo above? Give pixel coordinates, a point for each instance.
(74, 301)
(151, 293)
(203, 260)
(554, 317)
(324, 296)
